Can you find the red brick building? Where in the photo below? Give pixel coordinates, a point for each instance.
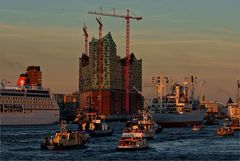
(113, 87)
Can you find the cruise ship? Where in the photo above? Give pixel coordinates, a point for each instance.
(176, 105)
(27, 104)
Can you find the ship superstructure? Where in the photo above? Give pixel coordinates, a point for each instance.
(176, 104)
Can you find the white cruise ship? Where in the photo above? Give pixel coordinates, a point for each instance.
(22, 106)
(27, 104)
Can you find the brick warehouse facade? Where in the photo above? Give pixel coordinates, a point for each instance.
(113, 90)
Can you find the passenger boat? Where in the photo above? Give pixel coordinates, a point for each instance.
(65, 140)
(132, 141)
(224, 131)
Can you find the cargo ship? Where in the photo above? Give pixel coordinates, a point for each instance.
(28, 103)
(176, 104)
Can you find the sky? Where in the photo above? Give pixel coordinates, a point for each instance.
(175, 38)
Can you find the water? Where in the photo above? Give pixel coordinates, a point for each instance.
(23, 143)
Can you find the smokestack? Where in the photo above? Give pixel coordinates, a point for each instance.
(21, 80)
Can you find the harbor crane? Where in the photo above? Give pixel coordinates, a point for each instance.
(86, 38)
(127, 17)
(100, 65)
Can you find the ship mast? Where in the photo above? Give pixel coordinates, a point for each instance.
(238, 87)
(161, 85)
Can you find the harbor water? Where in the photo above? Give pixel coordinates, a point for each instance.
(23, 143)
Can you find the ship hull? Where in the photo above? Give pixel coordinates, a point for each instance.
(35, 117)
(187, 119)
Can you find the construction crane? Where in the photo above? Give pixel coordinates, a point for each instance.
(127, 17)
(86, 39)
(100, 65)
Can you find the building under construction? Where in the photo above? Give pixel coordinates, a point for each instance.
(113, 88)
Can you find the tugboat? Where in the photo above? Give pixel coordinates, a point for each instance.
(144, 118)
(94, 125)
(224, 131)
(132, 141)
(65, 140)
(142, 121)
(147, 130)
(95, 128)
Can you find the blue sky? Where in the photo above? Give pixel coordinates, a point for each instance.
(175, 37)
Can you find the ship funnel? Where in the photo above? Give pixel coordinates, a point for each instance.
(21, 80)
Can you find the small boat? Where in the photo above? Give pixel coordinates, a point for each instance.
(143, 121)
(95, 128)
(224, 131)
(65, 140)
(131, 141)
(91, 123)
(146, 129)
(235, 124)
(196, 127)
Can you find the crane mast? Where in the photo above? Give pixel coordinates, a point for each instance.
(100, 65)
(127, 17)
(86, 39)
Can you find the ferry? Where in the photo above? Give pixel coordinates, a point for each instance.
(27, 105)
(132, 141)
(176, 105)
